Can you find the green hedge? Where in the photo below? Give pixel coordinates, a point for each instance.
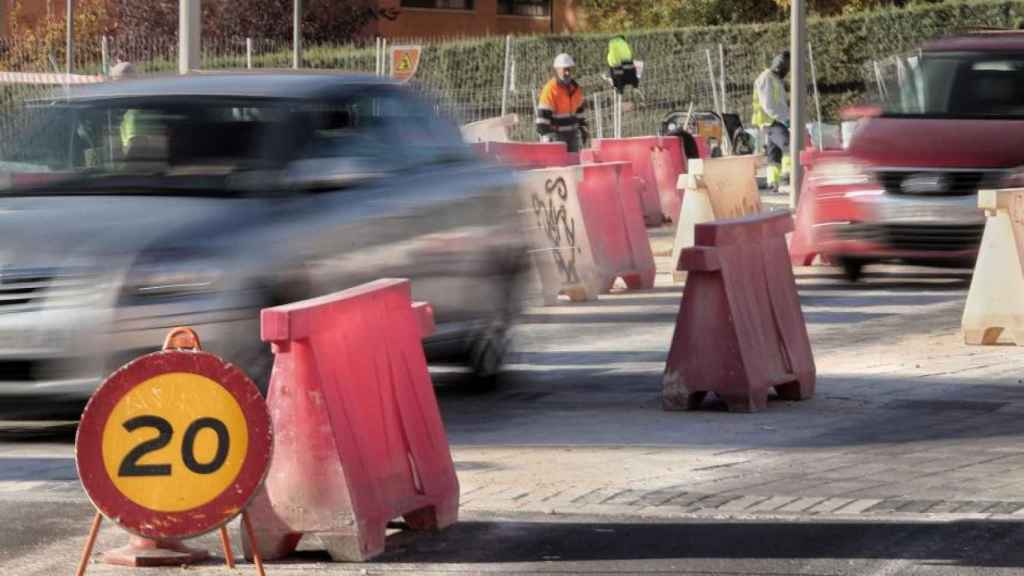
(469, 72)
(842, 46)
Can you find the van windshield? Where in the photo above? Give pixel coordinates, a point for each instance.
(959, 85)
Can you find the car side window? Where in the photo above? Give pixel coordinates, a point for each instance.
(349, 129)
(388, 127)
(427, 137)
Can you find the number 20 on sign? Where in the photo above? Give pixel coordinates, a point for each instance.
(173, 445)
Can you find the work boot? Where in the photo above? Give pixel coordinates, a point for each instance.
(774, 178)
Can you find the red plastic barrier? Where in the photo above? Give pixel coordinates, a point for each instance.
(530, 154)
(644, 152)
(740, 329)
(358, 438)
(615, 226)
(638, 152)
(702, 147)
(479, 148)
(669, 163)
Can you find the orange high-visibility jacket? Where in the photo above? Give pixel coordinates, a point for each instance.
(560, 108)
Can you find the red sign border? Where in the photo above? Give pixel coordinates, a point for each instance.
(154, 524)
(394, 50)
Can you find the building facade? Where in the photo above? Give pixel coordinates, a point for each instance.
(463, 18)
(407, 18)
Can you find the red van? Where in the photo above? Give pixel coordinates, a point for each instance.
(905, 188)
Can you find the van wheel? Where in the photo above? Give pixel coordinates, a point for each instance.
(853, 269)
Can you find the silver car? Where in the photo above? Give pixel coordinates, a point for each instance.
(136, 206)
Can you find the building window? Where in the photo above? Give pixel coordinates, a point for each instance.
(536, 8)
(439, 4)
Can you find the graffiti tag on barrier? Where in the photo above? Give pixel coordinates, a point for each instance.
(553, 217)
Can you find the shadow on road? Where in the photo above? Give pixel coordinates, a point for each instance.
(709, 547)
(588, 404)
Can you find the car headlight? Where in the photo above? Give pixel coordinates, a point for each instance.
(172, 274)
(841, 174)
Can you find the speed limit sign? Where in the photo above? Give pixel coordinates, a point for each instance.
(174, 444)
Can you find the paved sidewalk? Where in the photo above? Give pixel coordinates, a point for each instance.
(908, 422)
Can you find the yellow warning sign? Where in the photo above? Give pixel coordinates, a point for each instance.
(405, 60)
(175, 442)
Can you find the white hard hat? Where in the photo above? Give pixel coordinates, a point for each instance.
(564, 61)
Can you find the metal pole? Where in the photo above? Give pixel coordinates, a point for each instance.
(797, 95)
(883, 92)
(504, 78)
(188, 35)
(105, 54)
(70, 37)
(297, 34)
(598, 120)
(385, 59)
(714, 84)
(615, 115)
(619, 115)
(376, 69)
(817, 97)
(721, 71)
(248, 53)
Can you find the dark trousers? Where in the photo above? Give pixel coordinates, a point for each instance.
(778, 143)
(572, 139)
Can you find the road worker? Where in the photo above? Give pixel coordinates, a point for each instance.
(771, 116)
(561, 106)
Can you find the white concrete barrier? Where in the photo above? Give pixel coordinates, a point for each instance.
(714, 189)
(995, 303)
(490, 130)
(560, 246)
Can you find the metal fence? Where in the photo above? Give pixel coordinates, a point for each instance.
(678, 78)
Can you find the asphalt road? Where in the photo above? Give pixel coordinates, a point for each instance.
(586, 545)
(587, 376)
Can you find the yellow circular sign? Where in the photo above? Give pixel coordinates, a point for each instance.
(175, 442)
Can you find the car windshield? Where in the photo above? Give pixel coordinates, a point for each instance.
(193, 143)
(959, 85)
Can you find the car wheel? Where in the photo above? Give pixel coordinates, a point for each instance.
(256, 360)
(486, 357)
(853, 269)
(489, 349)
